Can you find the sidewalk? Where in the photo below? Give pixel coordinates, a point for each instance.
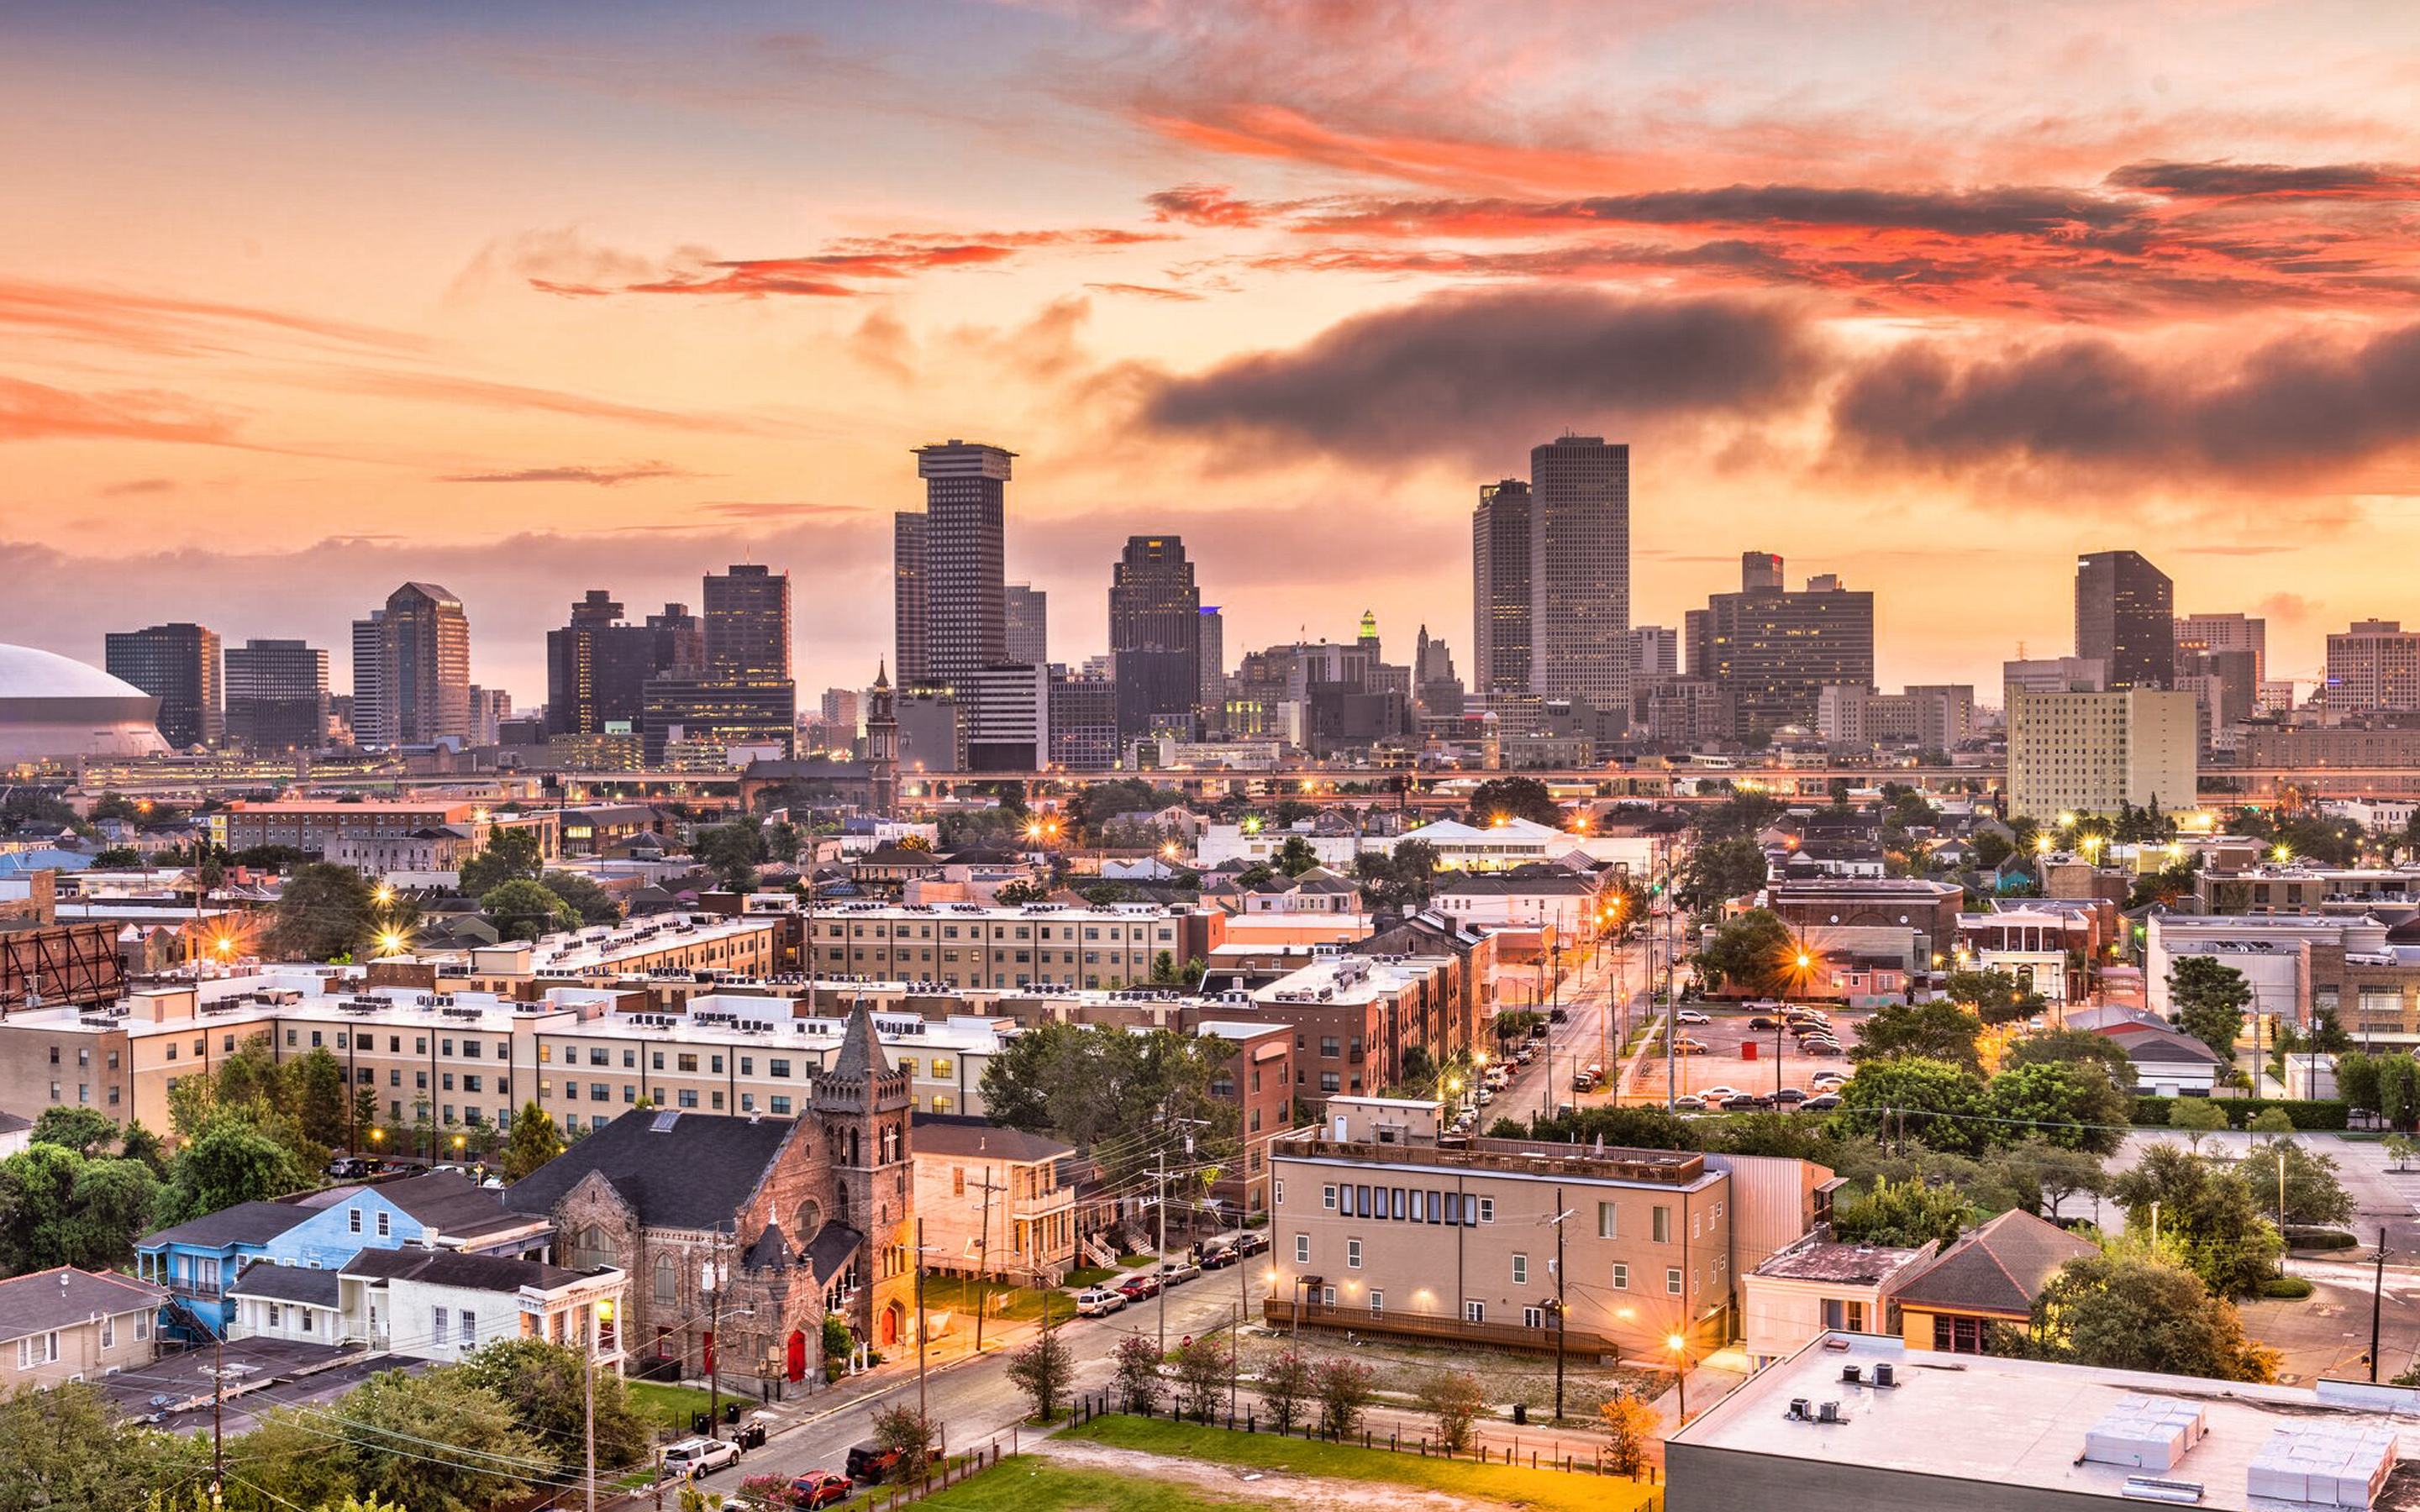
(1711, 1379)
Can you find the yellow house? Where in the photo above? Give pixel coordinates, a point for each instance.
(1990, 1275)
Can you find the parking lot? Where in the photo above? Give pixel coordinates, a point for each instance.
(1728, 1039)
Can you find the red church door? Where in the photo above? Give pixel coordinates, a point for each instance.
(797, 1359)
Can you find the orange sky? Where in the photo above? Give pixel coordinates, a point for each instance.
(298, 302)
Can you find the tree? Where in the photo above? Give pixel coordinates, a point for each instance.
(902, 1429)
(2210, 997)
(2053, 1172)
(2067, 1104)
(1288, 1384)
(320, 1103)
(231, 1162)
(2054, 1047)
(524, 910)
(1042, 1370)
(593, 904)
(1742, 816)
(2357, 1079)
(82, 1130)
(1631, 1423)
(1295, 856)
(69, 1447)
(1514, 798)
(323, 912)
(533, 1141)
(1202, 1366)
(1453, 1401)
(489, 1455)
(1939, 1030)
(510, 855)
(1137, 1375)
(2207, 1212)
(1722, 869)
(1021, 892)
(1752, 953)
(1902, 1215)
(2197, 1119)
(2271, 1121)
(1104, 1089)
(1934, 1100)
(2131, 1309)
(140, 1144)
(542, 1384)
(1995, 997)
(733, 851)
(2313, 1195)
(1631, 1128)
(1345, 1389)
(2398, 1091)
(2400, 1149)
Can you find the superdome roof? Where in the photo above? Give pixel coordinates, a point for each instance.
(29, 674)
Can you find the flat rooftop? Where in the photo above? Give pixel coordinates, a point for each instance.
(1996, 1422)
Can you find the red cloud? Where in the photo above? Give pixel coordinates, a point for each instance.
(36, 411)
(160, 324)
(444, 388)
(1275, 131)
(1204, 204)
(1148, 292)
(821, 274)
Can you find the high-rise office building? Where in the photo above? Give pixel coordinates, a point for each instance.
(1773, 652)
(2373, 667)
(1655, 650)
(1083, 723)
(748, 621)
(965, 508)
(1005, 711)
(2088, 753)
(1435, 688)
(839, 708)
(1500, 561)
(277, 695)
(913, 646)
(741, 695)
(178, 665)
(1156, 634)
(1213, 639)
(412, 670)
(489, 708)
(2125, 618)
(597, 667)
(1579, 572)
(1760, 572)
(2226, 632)
(1027, 618)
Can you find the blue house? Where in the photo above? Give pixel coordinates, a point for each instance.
(322, 1230)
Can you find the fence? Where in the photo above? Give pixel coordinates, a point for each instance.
(1481, 1451)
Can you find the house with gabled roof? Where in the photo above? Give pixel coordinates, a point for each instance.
(69, 1324)
(1989, 1275)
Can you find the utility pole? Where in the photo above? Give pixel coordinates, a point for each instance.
(983, 1259)
(218, 1393)
(2377, 1296)
(1562, 1315)
(714, 1274)
(588, 1401)
(922, 1421)
(1159, 1198)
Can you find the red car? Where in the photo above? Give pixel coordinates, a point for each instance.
(821, 1488)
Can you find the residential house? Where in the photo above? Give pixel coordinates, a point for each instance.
(436, 1305)
(1821, 1285)
(68, 1324)
(1990, 1275)
(994, 1201)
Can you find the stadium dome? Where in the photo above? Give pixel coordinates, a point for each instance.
(53, 705)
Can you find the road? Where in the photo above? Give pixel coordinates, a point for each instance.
(1587, 1036)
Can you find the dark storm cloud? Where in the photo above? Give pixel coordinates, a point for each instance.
(1459, 374)
(2297, 406)
(2000, 212)
(2277, 180)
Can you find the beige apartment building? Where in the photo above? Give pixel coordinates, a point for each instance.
(1378, 1227)
(971, 946)
(2086, 753)
(994, 1201)
(365, 830)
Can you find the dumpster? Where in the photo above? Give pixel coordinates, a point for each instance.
(1747, 1049)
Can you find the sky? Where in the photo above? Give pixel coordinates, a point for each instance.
(299, 301)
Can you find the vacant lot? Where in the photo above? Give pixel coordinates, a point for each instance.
(1402, 1367)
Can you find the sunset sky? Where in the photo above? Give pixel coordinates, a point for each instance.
(300, 300)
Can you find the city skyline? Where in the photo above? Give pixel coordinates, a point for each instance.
(2152, 291)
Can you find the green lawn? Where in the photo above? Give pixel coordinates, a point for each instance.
(1030, 1484)
(946, 1293)
(1136, 1262)
(667, 1406)
(1089, 1276)
(1550, 1490)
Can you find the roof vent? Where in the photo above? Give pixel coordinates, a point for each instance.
(2148, 1489)
(1885, 1374)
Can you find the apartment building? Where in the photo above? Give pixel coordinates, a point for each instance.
(1355, 1019)
(994, 1201)
(2089, 752)
(968, 945)
(318, 826)
(1377, 1227)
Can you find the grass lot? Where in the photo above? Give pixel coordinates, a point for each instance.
(1550, 1490)
(1089, 1276)
(957, 1294)
(668, 1407)
(1136, 1262)
(1028, 1484)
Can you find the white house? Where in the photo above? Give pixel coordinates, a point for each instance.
(433, 1304)
(1819, 1285)
(1251, 843)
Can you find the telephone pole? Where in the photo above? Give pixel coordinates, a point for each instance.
(922, 1421)
(218, 1390)
(1159, 1199)
(983, 1260)
(715, 1272)
(1562, 1316)
(588, 1402)
(2377, 1296)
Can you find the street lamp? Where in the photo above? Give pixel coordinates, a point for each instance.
(1680, 1347)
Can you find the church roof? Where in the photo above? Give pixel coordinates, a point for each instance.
(860, 1052)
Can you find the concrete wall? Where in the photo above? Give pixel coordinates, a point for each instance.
(1701, 1479)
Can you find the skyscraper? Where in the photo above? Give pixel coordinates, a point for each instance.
(178, 665)
(748, 621)
(277, 695)
(913, 645)
(412, 670)
(1655, 650)
(1499, 560)
(1154, 633)
(1579, 572)
(966, 507)
(2125, 618)
(1213, 639)
(597, 667)
(2226, 632)
(1027, 611)
(1772, 652)
(742, 695)
(2373, 666)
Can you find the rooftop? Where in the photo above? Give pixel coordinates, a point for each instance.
(1998, 1269)
(1530, 1158)
(1990, 1422)
(1818, 1259)
(64, 1296)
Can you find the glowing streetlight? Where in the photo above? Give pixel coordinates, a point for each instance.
(382, 895)
(390, 942)
(2284, 854)
(2041, 844)
(1680, 1347)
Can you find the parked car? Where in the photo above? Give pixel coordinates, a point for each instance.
(1719, 1094)
(868, 1462)
(1558, 1015)
(1820, 1047)
(1688, 1103)
(353, 1167)
(1828, 1078)
(1763, 1024)
(1822, 1102)
(1746, 1103)
(1686, 1046)
(1219, 1257)
(1785, 1095)
(820, 1488)
(1098, 1301)
(1582, 1082)
(1251, 1241)
(1690, 1015)
(692, 1458)
(1176, 1273)
(1140, 1286)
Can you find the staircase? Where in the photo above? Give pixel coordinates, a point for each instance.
(1100, 1254)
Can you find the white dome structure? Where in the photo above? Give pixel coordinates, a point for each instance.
(54, 706)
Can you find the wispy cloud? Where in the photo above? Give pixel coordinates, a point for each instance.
(604, 477)
(1146, 291)
(37, 411)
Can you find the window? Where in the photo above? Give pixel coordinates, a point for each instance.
(1672, 1280)
(276, 1315)
(1520, 1270)
(352, 1220)
(1844, 1316)
(1327, 1198)
(1533, 1318)
(1474, 1312)
(1328, 1082)
(778, 1067)
(1606, 1225)
(1302, 1249)
(943, 1069)
(1621, 1278)
(687, 1062)
(689, 1097)
(109, 1333)
(1663, 1228)
(385, 1226)
(1327, 1046)
(307, 1315)
(1958, 1336)
(1353, 1254)
(141, 1327)
(781, 1105)
(468, 1322)
(1487, 1209)
(1278, 1194)
(667, 1280)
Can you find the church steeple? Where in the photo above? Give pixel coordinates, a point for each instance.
(882, 744)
